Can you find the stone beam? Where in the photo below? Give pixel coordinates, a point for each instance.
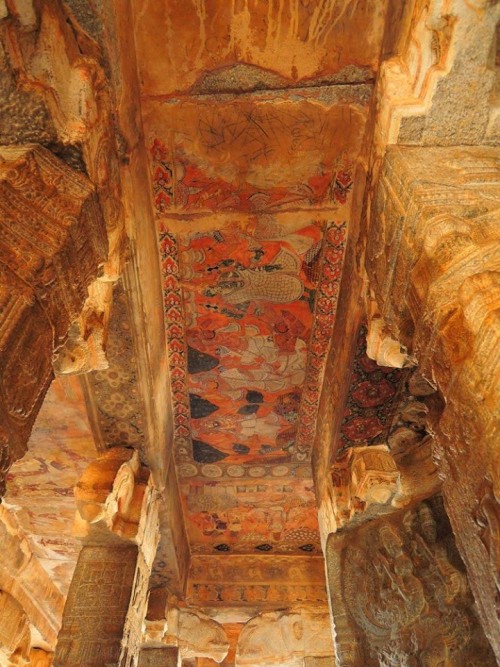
(434, 268)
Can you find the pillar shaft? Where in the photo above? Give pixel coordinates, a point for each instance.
(96, 607)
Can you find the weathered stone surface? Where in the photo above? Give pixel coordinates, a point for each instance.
(40, 658)
(327, 661)
(437, 88)
(14, 632)
(399, 594)
(23, 577)
(196, 634)
(270, 46)
(434, 271)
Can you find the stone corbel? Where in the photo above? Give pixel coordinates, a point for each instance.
(110, 496)
(285, 638)
(378, 479)
(192, 632)
(382, 348)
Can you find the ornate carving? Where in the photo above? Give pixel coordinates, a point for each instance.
(45, 268)
(402, 596)
(383, 349)
(196, 634)
(432, 260)
(110, 494)
(361, 477)
(96, 607)
(116, 503)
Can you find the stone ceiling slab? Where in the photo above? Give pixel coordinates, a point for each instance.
(287, 41)
(254, 155)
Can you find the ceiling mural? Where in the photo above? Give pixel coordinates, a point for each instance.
(252, 192)
(250, 155)
(257, 515)
(249, 312)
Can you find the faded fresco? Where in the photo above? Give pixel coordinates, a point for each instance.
(249, 311)
(252, 194)
(253, 156)
(249, 303)
(256, 515)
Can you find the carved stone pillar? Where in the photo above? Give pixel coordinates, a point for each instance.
(159, 657)
(434, 267)
(117, 519)
(97, 606)
(52, 241)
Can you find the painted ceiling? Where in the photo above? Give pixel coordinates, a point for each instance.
(254, 131)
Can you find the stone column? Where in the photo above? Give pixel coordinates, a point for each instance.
(117, 521)
(97, 606)
(52, 240)
(434, 268)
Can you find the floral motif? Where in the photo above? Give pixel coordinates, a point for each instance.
(372, 399)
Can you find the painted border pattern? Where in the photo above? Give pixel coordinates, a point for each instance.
(323, 323)
(177, 355)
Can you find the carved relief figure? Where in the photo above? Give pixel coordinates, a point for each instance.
(406, 596)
